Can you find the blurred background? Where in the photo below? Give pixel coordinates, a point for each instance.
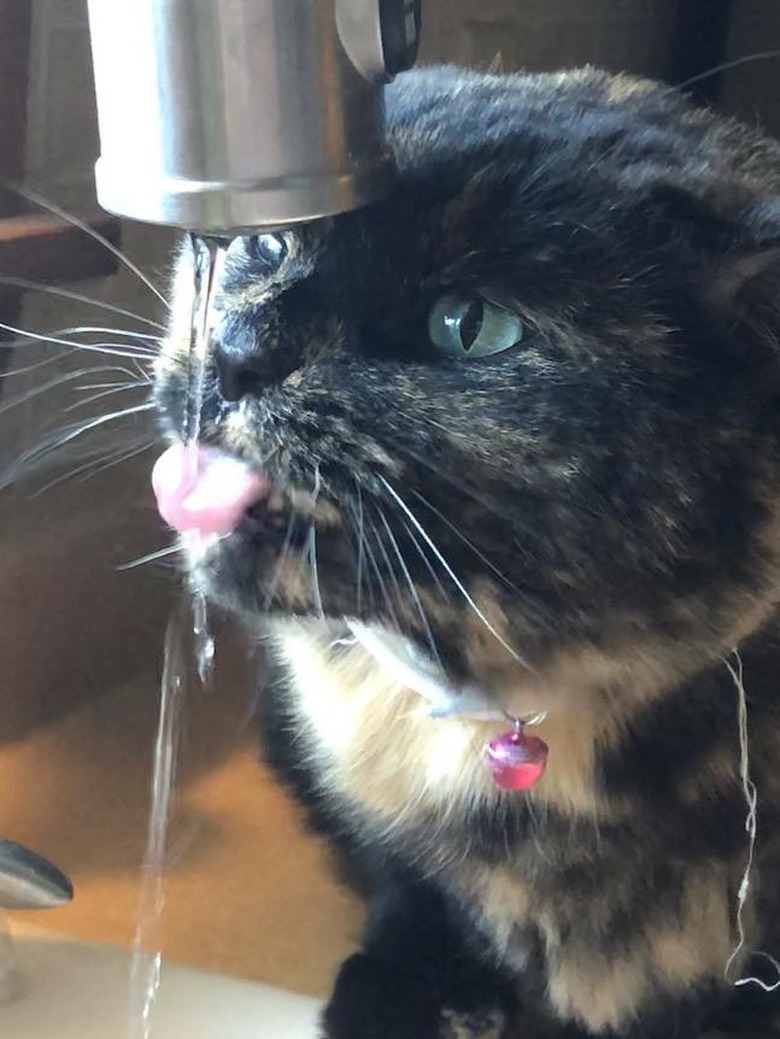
(80, 636)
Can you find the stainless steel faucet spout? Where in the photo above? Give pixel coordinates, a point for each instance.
(220, 115)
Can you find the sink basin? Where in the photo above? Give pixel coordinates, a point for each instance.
(79, 990)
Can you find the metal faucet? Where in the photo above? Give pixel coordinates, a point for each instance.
(226, 115)
(28, 881)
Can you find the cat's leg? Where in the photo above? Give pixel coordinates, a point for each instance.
(418, 976)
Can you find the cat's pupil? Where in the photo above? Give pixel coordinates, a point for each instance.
(471, 324)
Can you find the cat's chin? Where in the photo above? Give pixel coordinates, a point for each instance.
(279, 559)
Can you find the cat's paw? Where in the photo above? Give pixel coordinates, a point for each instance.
(485, 1024)
(371, 1002)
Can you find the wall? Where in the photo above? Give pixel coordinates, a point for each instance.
(637, 35)
(750, 88)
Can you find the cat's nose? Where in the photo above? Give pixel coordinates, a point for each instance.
(237, 377)
(245, 369)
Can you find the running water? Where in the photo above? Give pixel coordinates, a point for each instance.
(204, 641)
(187, 625)
(145, 971)
(207, 259)
(10, 981)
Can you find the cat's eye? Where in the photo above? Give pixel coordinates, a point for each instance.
(264, 251)
(472, 327)
(269, 249)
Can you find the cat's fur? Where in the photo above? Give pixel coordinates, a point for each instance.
(607, 494)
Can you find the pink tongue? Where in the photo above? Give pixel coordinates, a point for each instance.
(199, 489)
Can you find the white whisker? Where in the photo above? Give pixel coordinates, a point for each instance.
(118, 349)
(99, 465)
(117, 388)
(428, 565)
(282, 559)
(412, 588)
(93, 466)
(28, 338)
(469, 544)
(69, 218)
(61, 437)
(110, 330)
(360, 558)
(315, 579)
(388, 565)
(52, 290)
(51, 384)
(380, 581)
(312, 546)
(34, 367)
(132, 380)
(150, 557)
(455, 579)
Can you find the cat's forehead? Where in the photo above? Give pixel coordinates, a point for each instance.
(538, 185)
(447, 169)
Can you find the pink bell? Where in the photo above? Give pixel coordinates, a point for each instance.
(517, 761)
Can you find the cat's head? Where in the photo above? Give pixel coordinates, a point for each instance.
(526, 407)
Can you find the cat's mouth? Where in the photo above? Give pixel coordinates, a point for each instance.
(248, 537)
(258, 545)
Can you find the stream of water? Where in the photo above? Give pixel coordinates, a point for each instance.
(187, 634)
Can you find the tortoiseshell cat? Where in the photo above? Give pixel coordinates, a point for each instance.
(523, 412)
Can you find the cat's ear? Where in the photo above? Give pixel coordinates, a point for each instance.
(734, 241)
(746, 281)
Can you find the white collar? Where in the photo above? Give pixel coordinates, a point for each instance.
(416, 671)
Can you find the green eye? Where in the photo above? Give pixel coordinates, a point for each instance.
(472, 327)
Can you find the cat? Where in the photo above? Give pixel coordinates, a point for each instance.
(507, 441)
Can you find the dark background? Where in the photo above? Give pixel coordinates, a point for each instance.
(673, 40)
